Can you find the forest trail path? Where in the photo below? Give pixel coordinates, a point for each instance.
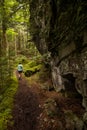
(29, 113)
(26, 107)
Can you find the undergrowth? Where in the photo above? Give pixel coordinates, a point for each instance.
(6, 103)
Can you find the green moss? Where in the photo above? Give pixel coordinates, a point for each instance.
(32, 63)
(32, 67)
(6, 103)
(20, 58)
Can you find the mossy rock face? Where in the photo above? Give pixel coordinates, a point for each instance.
(57, 22)
(29, 73)
(32, 67)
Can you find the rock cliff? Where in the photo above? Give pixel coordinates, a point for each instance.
(59, 29)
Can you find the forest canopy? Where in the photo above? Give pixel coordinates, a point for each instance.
(14, 34)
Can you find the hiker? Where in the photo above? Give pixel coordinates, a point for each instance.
(20, 70)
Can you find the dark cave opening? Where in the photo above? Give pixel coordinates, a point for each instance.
(69, 84)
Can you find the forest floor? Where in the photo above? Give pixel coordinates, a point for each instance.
(29, 111)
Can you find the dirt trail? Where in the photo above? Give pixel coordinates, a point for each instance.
(26, 107)
(29, 113)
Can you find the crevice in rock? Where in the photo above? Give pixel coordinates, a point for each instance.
(69, 83)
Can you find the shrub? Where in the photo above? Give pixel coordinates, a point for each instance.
(6, 103)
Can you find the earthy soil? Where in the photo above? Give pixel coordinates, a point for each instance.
(29, 112)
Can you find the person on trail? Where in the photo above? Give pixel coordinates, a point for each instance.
(20, 70)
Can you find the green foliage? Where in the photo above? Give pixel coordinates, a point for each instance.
(32, 63)
(6, 103)
(11, 15)
(5, 71)
(32, 67)
(21, 58)
(11, 34)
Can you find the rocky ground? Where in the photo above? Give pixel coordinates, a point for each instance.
(37, 109)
